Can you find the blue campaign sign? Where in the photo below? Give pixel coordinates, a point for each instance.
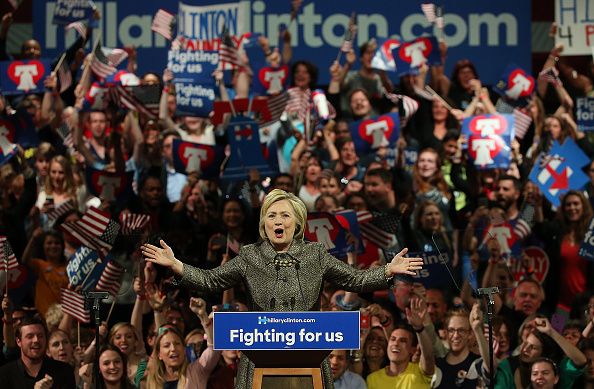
(191, 157)
(371, 134)
(81, 263)
(515, 84)
(247, 152)
(383, 59)
(24, 76)
(489, 138)
(434, 273)
(560, 170)
(587, 246)
(410, 56)
(286, 330)
(326, 228)
(194, 83)
(492, 34)
(109, 186)
(68, 11)
(585, 113)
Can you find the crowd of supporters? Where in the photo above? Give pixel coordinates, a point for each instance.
(159, 336)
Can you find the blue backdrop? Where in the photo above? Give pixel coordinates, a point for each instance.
(491, 34)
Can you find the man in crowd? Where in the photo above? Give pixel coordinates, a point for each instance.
(344, 378)
(34, 369)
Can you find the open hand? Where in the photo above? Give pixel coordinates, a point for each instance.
(162, 256)
(403, 265)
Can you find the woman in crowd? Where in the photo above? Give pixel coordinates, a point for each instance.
(310, 191)
(124, 337)
(112, 370)
(372, 356)
(59, 186)
(282, 223)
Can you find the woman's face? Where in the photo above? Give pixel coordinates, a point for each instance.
(57, 174)
(430, 218)
(41, 164)
(329, 186)
(553, 125)
(150, 79)
(60, 348)
(301, 77)
(125, 340)
(312, 173)
(573, 209)
(279, 224)
(233, 215)
(325, 204)
(196, 342)
(356, 203)
(111, 366)
(427, 164)
(52, 247)
(375, 345)
(503, 338)
(439, 111)
(171, 350)
(360, 104)
(464, 76)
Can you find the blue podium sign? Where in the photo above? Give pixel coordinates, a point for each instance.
(286, 330)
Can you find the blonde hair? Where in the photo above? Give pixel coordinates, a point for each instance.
(68, 186)
(156, 373)
(297, 205)
(118, 326)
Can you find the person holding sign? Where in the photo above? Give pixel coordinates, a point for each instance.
(282, 272)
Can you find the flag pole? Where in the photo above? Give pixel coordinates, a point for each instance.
(60, 62)
(78, 332)
(82, 284)
(110, 309)
(438, 97)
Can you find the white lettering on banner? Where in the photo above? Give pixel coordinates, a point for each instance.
(585, 109)
(177, 60)
(194, 156)
(74, 267)
(415, 52)
(313, 29)
(322, 227)
(65, 8)
(575, 20)
(275, 78)
(483, 148)
(25, 74)
(187, 90)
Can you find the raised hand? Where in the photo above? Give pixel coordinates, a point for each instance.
(162, 256)
(403, 265)
(198, 306)
(543, 325)
(476, 317)
(415, 315)
(44, 383)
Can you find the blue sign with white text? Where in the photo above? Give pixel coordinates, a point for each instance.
(584, 113)
(68, 11)
(286, 330)
(491, 34)
(587, 246)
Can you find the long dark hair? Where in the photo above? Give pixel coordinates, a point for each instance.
(581, 226)
(124, 382)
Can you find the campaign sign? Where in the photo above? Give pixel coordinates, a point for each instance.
(23, 76)
(574, 26)
(194, 83)
(348, 220)
(587, 246)
(246, 151)
(109, 186)
(269, 80)
(324, 227)
(515, 83)
(286, 330)
(68, 11)
(489, 138)
(410, 56)
(7, 148)
(383, 58)
(81, 263)
(560, 170)
(434, 273)
(191, 157)
(585, 113)
(533, 258)
(371, 134)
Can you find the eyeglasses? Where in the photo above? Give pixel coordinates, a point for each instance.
(460, 331)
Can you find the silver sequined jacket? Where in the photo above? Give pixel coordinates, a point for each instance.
(272, 287)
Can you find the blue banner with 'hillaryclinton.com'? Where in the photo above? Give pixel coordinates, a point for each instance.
(286, 330)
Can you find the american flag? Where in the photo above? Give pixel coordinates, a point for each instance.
(349, 35)
(502, 107)
(163, 23)
(7, 257)
(73, 304)
(299, 102)
(521, 123)
(95, 230)
(227, 51)
(79, 26)
(105, 60)
(550, 75)
(64, 75)
(133, 222)
(57, 211)
(276, 107)
(409, 105)
(111, 278)
(377, 229)
(128, 98)
(523, 226)
(433, 13)
(232, 244)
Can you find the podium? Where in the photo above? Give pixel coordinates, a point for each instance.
(287, 363)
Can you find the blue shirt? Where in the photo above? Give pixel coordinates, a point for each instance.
(350, 380)
(175, 183)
